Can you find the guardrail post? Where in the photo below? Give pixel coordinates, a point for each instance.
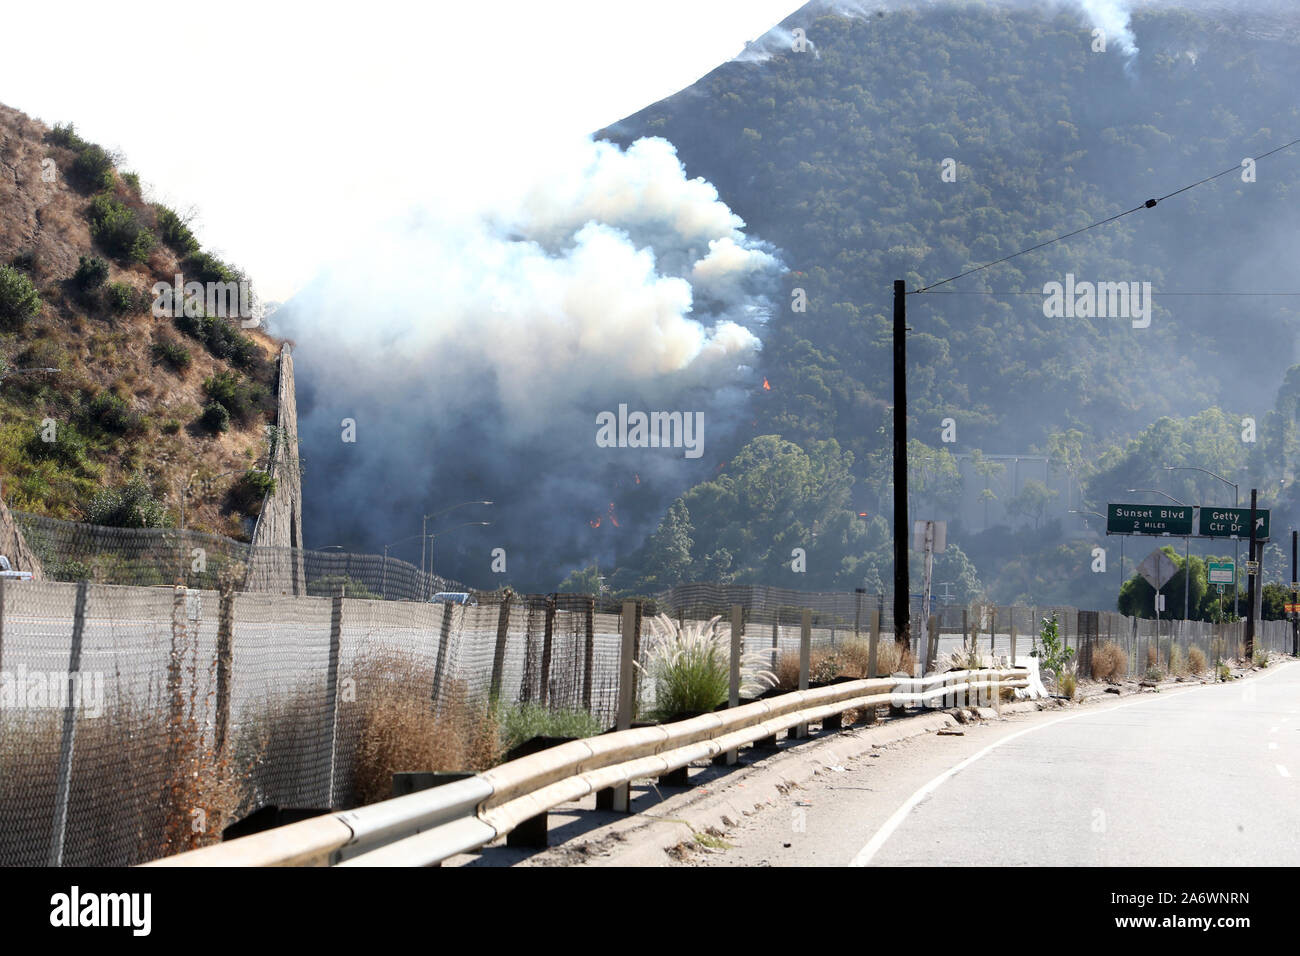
(626, 694)
(225, 640)
(68, 740)
(332, 686)
(548, 639)
(799, 731)
(733, 690)
(1013, 637)
(873, 662)
(993, 631)
(499, 654)
(589, 658)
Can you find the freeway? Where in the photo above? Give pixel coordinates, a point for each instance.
(1206, 776)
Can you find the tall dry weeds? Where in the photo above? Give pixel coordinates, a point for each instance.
(401, 729)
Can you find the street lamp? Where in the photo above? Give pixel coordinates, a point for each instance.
(424, 526)
(1187, 548)
(448, 531)
(1236, 544)
(383, 579)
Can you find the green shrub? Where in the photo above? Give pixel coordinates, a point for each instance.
(92, 272)
(1052, 657)
(67, 449)
(65, 135)
(118, 231)
(205, 267)
(92, 170)
(172, 354)
(171, 426)
(113, 414)
(239, 397)
(252, 488)
(132, 181)
(126, 299)
(521, 722)
(19, 300)
(174, 231)
(690, 667)
(215, 417)
(220, 338)
(1068, 683)
(131, 505)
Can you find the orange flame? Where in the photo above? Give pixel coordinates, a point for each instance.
(595, 522)
(766, 387)
(638, 479)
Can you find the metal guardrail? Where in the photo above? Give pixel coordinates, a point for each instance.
(424, 828)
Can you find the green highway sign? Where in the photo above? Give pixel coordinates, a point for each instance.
(1233, 523)
(1222, 573)
(1149, 519)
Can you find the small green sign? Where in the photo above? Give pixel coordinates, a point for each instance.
(1149, 519)
(1225, 573)
(1233, 523)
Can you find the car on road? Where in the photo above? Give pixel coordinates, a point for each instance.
(10, 574)
(454, 597)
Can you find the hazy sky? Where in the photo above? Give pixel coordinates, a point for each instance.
(289, 126)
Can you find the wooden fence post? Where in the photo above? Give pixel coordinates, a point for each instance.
(332, 687)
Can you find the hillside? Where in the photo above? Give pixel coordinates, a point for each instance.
(108, 414)
(836, 155)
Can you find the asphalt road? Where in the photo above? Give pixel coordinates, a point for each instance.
(1205, 776)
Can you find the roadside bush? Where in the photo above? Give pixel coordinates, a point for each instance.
(401, 729)
(522, 722)
(174, 231)
(1153, 656)
(1196, 661)
(172, 354)
(1068, 684)
(1052, 656)
(1176, 663)
(1261, 658)
(215, 417)
(855, 655)
(1109, 663)
(19, 300)
(220, 338)
(117, 230)
(689, 667)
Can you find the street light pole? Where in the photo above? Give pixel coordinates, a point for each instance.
(1236, 542)
(424, 528)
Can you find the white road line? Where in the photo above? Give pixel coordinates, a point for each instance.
(873, 846)
(887, 830)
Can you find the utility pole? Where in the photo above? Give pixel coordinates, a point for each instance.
(902, 590)
(1250, 581)
(1295, 618)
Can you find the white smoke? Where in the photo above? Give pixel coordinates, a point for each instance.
(474, 349)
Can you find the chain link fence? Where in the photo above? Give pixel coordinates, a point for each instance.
(136, 722)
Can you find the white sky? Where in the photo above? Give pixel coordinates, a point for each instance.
(289, 126)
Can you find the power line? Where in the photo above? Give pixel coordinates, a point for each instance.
(1149, 204)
